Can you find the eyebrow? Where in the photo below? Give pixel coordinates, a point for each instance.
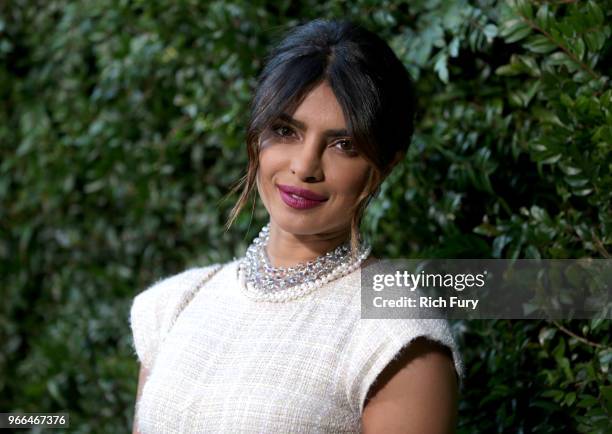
(330, 133)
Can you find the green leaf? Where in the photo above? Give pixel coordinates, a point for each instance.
(490, 31)
(538, 147)
(582, 76)
(486, 229)
(562, 59)
(519, 34)
(552, 159)
(587, 401)
(582, 192)
(559, 350)
(531, 66)
(595, 40)
(605, 357)
(499, 243)
(566, 100)
(441, 68)
(546, 334)
(531, 91)
(579, 48)
(539, 44)
(514, 30)
(538, 213)
(570, 170)
(606, 393)
(596, 323)
(509, 69)
(543, 16)
(603, 132)
(524, 8)
(517, 98)
(453, 47)
(576, 182)
(557, 395)
(595, 12)
(547, 117)
(570, 398)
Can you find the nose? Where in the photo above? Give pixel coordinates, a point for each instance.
(306, 161)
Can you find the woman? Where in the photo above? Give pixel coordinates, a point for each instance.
(273, 342)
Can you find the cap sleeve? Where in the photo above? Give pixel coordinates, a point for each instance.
(154, 310)
(376, 342)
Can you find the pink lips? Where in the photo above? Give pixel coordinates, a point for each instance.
(303, 199)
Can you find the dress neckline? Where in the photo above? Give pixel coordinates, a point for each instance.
(292, 293)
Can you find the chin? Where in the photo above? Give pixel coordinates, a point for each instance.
(303, 225)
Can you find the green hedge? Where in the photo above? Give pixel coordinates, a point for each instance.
(122, 129)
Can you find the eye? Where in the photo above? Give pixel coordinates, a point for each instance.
(282, 130)
(346, 146)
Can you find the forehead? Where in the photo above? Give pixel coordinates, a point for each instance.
(320, 108)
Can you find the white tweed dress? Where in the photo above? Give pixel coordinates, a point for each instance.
(222, 362)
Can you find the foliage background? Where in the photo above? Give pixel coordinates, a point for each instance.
(122, 128)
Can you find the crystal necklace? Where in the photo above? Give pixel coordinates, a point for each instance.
(259, 280)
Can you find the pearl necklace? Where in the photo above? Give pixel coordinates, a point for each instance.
(259, 280)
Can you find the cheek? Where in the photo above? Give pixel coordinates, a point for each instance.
(268, 166)
(351, 182)
(262, 188)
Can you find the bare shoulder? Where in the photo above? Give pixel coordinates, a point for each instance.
(416, 393)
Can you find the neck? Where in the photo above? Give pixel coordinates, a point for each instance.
(286, 249)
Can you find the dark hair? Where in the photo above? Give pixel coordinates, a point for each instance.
(372, 86)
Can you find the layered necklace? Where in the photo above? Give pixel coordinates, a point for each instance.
(263, 282)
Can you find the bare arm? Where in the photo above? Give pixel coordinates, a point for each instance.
(142, 377)
(415, 393)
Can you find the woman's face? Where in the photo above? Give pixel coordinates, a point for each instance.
(310, 149)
